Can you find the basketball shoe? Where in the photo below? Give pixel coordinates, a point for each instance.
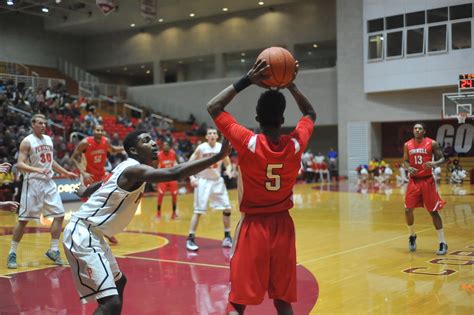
(412, 243)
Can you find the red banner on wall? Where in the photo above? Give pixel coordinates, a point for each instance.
(445, 132)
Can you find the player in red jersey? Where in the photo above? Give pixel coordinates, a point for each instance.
(167, 159)
(421, 191)
(94, 151)
(264, 253)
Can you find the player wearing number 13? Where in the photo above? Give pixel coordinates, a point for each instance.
(264, 253)
(39, 191)
(421, 191)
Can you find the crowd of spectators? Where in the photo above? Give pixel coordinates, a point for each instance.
(67, 126)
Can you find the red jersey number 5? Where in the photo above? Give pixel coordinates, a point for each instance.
(273, 184)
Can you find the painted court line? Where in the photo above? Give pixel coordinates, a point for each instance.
(176, 262)
(359, 248)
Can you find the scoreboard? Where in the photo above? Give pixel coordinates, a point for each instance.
(466, 82)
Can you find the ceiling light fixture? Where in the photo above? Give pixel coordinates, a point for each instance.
(132, 25)
(160, 20)
(192, 14)
(58, 1)
(10, 2)
(261, 3)
(315, 45)
(225, 9)
(148, 72)
(45, 9)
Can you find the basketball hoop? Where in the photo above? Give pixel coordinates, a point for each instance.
(461, 117)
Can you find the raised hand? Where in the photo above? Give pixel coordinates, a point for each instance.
(258, 73)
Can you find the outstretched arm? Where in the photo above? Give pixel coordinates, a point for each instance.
(112, 149)
(136, 175)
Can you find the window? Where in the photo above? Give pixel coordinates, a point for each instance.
(415, 41)
(316, 55)
(437, 38)
(375, 25)
(461, 35)
(395, 21)
(394, 44)
(460, 11)
(437, 15)
(415, 18)
(375, 47)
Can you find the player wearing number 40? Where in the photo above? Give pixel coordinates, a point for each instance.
(39, 193)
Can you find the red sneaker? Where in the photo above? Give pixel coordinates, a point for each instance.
(158, 215)
(174, 216)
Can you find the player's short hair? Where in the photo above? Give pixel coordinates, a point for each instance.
(36, 116)
(422, 124)
(132, 139)
(270, 108)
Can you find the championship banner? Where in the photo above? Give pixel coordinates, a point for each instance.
(67, 187)
(446, 132)
(107, 6)
(149, 10)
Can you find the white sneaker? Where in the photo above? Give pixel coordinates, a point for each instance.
(190, 245)
(227, 242)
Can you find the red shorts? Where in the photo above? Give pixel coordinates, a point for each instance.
(320, 166)
(167, 186)
(422, 192)
(264, 259)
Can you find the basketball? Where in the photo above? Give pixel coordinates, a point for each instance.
(282, 66)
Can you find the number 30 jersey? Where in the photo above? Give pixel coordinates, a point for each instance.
(40, 155)
(419, 154)
(268, 171)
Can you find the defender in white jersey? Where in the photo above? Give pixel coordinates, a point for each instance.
(110, 208)
(209, 184)
(39, 193)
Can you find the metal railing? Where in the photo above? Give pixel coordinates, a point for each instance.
(33, 81)
(75, 72)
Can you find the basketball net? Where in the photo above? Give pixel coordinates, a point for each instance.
(462, 117)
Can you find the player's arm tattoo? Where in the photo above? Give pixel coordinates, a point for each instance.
(438, 155)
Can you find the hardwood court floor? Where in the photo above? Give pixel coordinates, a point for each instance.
(352, 259)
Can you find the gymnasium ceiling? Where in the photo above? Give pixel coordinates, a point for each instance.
(83, 17)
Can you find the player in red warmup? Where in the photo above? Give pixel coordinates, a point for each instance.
(94, 149)
(167, 159)
(421, 191)
(264, 253)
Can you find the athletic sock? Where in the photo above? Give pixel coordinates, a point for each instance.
(174, 207)
(411, 229)
(441, 236)
(13, 247)
(191, 236)
(227, 233)
(54, 245)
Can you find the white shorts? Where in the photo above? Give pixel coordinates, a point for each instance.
(37, 195)
(213, 190)
(93, 266)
